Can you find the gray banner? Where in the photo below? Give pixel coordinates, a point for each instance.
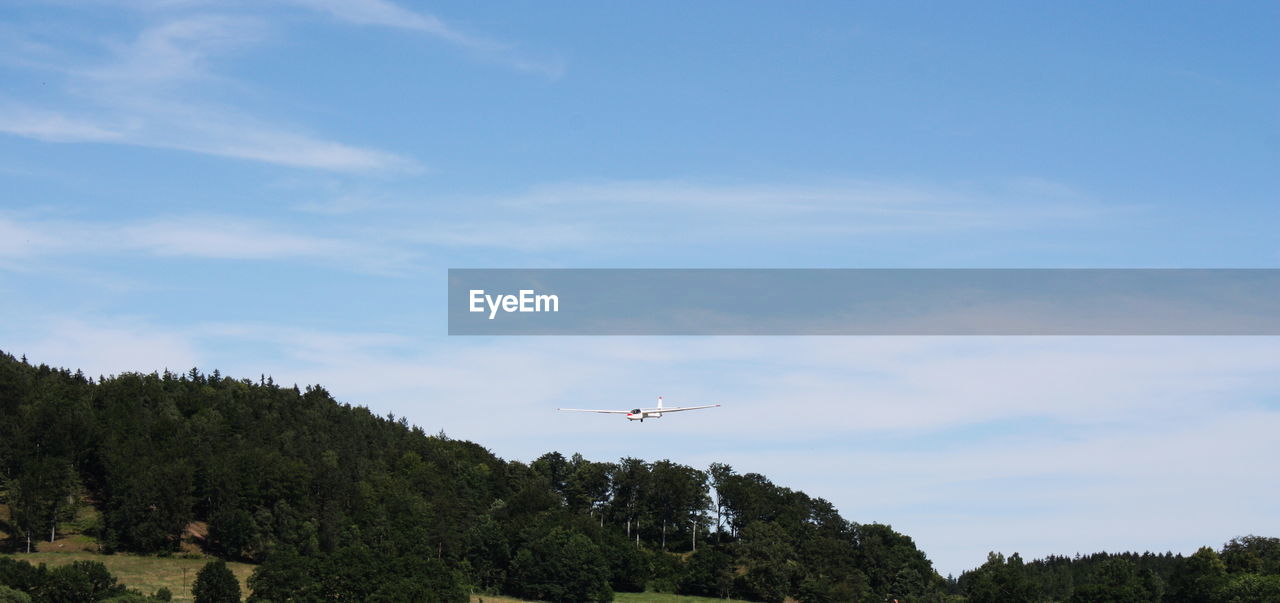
(864, 302)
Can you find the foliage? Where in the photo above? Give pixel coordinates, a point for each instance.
(1252, 555)
(78, 581)
(1200, 577)
(561, 566)
(1001, 580)
(1250, 588)
(216, 584)
(9, 595)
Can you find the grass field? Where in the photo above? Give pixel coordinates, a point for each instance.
(620, 598)
(665, 598)
(146, 574)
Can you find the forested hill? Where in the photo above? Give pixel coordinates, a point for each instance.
(336, 502)
(333, 497)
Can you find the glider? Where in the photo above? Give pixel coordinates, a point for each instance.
(640, 414)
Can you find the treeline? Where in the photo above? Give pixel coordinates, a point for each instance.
(335, 502)
(1247, 570)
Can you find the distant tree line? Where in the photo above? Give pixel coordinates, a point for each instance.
(335, 502)
(1246, 570)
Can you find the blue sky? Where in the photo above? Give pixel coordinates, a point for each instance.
(279, 187)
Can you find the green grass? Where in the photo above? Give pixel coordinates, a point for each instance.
(146, 574)
(620, 598)
(666, 598)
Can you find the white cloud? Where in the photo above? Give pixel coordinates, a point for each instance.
(191, 236)
(153, 92)
(642, 219)
(386, 14)
(176, 51)
(53, 127)
(116, 346)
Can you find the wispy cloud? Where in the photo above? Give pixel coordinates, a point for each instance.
(154, 91)
(392, 235)
(911, 203)
(52, 126)
(176, 51)
(386, 14)
(191, 236)
(206, 130)
(632, 214)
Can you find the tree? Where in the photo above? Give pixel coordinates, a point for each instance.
(769, 561)
(629, 565)
(883, 554)
(216, 584)
(283, 576)
(79, 581)
(719, 473)
(1251, 588)
(562, 566)
(707, 573)
(675, 499)
(487, 553)
(630, 479)
(1199, 577)
(588, 486)
(1252, 554)
(554, 467)
(8, 595)
(1117, 582)
(1000, 580)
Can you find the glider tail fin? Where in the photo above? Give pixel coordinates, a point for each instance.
(659, 402)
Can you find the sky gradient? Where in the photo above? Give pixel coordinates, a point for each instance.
(280, 187)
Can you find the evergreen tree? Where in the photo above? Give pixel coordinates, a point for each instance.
(216, 584)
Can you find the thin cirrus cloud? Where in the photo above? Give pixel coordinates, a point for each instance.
(386, 14)
(628, 215)
(154, 92)
(908, 201)
(190, 237)
(204, 130)
(388, 238)
(51, 126)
